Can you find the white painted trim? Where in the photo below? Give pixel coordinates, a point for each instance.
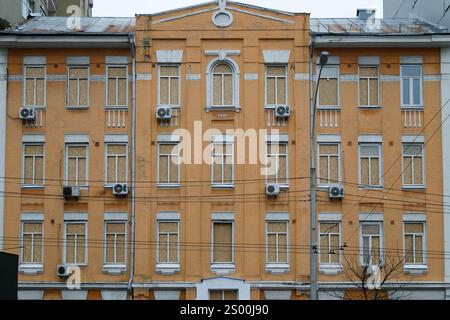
(169, 56)
(222, 216)
(76, 138)
(329, 217)
(251, 76)
(32, 216)
(116, 60)
(411, 90)
(115, 216)
(168, 138)
(223, 283)
(33, 138)
(331, 60)
(75, 216)
(34, 60)
(380, 223)
(168, 267)
(371, 217)
(413, 139)
(72, 220)
(369, 61)
(411, 59)
(66, 164)
(78, 60)
(302, 76)
(286, 85)
(252, 13)
(3, 105)
(222, 53)
(116, 138)
(323, 138)
(276, 56)
(389, 78)
(431, 77)
(281, 137)
(277, 216)
(348, 78)
(413, 217)
(163, 216)
(380, 161)
(144, 76)
(370, 138)
(222, 138)
(193, 76)
(178, 76)
(219, 23)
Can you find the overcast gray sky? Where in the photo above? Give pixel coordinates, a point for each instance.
(317, 8)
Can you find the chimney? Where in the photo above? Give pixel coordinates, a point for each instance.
(366, 14)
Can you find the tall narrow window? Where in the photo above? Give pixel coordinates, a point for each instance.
(222, 162)
(116, 163)
(371, 243)
(76, 164)
(223, 294)
(33, 164)
(34, 86)
(414, 242)
(413, 165)
(168, 242)
(412, 95)
(328, 163)
(223, 86)
(75, 243)
(222, 242)
(115, 240)
(368, 86)
(370, 165)
(277, 242)
(169, 85)
(329, 87)
(78, 86)
(277, 163)
(32, 242)
(168, 164)
(276, 85)
(117, 86)
(330, 243)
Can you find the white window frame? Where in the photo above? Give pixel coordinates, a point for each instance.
(33, 185)
(319, 144)
(368, 86)
(286, 222)
(381, 234)
(26, 8)
(235, 83)
(279, 142)
(222, 140)
(178, 104)
(107, 144)
(66, 223)
(424, 243)
(81, 66)
(169, 158)
(413, 185)
(213, 222)
(266, 77)
(337, 77)
(34, 263)
(107, 264)
(411, 92)
(339, 224)
(117, 87)
(380, 166)
(34, 66)
(66, 163)
(222, 291)
(168, 250)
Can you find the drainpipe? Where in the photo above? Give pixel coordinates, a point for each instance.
(133, 166)
(3, 106)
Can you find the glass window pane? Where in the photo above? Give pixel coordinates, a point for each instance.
(169, 71)
(406, 92)
(414, 228)
(363, 92)
(411, 71)
(416, 92)
(222, 68)
(271, 91)
(281, 91)
(374, 92)
(328, 92)
(223, 242)
(164, 91)
(228, 90)
(277, 227)
(369, 151)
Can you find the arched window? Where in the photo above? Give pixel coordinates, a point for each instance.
(222, 88)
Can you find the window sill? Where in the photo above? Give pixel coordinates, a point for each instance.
(110, 186)
(414, 187)
(36, 107)
(223, 268)
(116, 107)
(168, 268)
(31, 269)
(77, 107)
(370, 188)
(330, 269)
(222, 186)
(114, 268)
(169, 186)
(36, 187)
(328, 108)
(277, 268)
(415, 269)
(176, 107)
(225, 108)
(412, 107)
(370, 107)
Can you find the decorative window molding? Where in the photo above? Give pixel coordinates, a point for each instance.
(116, 60)
(33, 138)
(223, 216)
(324, 138)
(369, 60)
(411, 59)
(115, 216)
(169, 85)
(169, 56)
(276, 56)
(116, 138)
(412, 217)
(222, 18)
(329, 217)
(370, 138)
(76, 138)
(371, 217)
(75, 216)
(224, 283)
(34, 60)
(413, 139)
(78, 61)
(277, 216)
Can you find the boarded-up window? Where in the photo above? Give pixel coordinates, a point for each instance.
(329, 87)
(328, 163)
(33, 164)
(222, 85)
(223, 294)
(168, 242)
(223, 242)
(168, 163)
(75, 243)
(78, 86)
(371, 245)
(35, 86)
(413, 164)
(222, 163)
(329, 243)
(115, 241)
(169, 85)
(277, 242)
(411, 85)
(116, 163)
(370, 165)
(414, 242)
(277, 163)
(32, 242)
(368, 86)
(276, 85)
(117, 86)
(76, 165)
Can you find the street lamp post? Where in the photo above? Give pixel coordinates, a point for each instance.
(313, 249)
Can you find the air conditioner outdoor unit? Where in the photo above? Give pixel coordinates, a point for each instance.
(282, 112)
(163, 113)
(272, 189)
(336, 191)
(27, 113)
(63, 270)
(120, 189)
(71, 192)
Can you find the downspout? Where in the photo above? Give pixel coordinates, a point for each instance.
(3, 107)
(133, 166)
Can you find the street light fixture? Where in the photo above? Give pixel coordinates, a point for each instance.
(313, 294)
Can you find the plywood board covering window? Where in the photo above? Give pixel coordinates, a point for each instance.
(223, 294)
(169, 85)
(370, 165)
(276, 85)
(371, 245)
(78, 86)
(329, 87)
(116, 163)
(277, 242)
(368, 86)
(115, 234)
(35, 86)
(33, 164)
(414, 242)
(413, 164)
(75, 243)
(168, 242)
(329, 163)
(76, 165)
(329, 245)
(222, 163)
(277, 163)
(32, 242)
(223, 242)
(168, 163)
(117, 87)
(223, 85)
(412, 95)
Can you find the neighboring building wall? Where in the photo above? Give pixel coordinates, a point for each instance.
(432, 12)
(12, 11)
(3, 103)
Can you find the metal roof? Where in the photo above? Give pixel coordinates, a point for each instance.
(373, 26)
